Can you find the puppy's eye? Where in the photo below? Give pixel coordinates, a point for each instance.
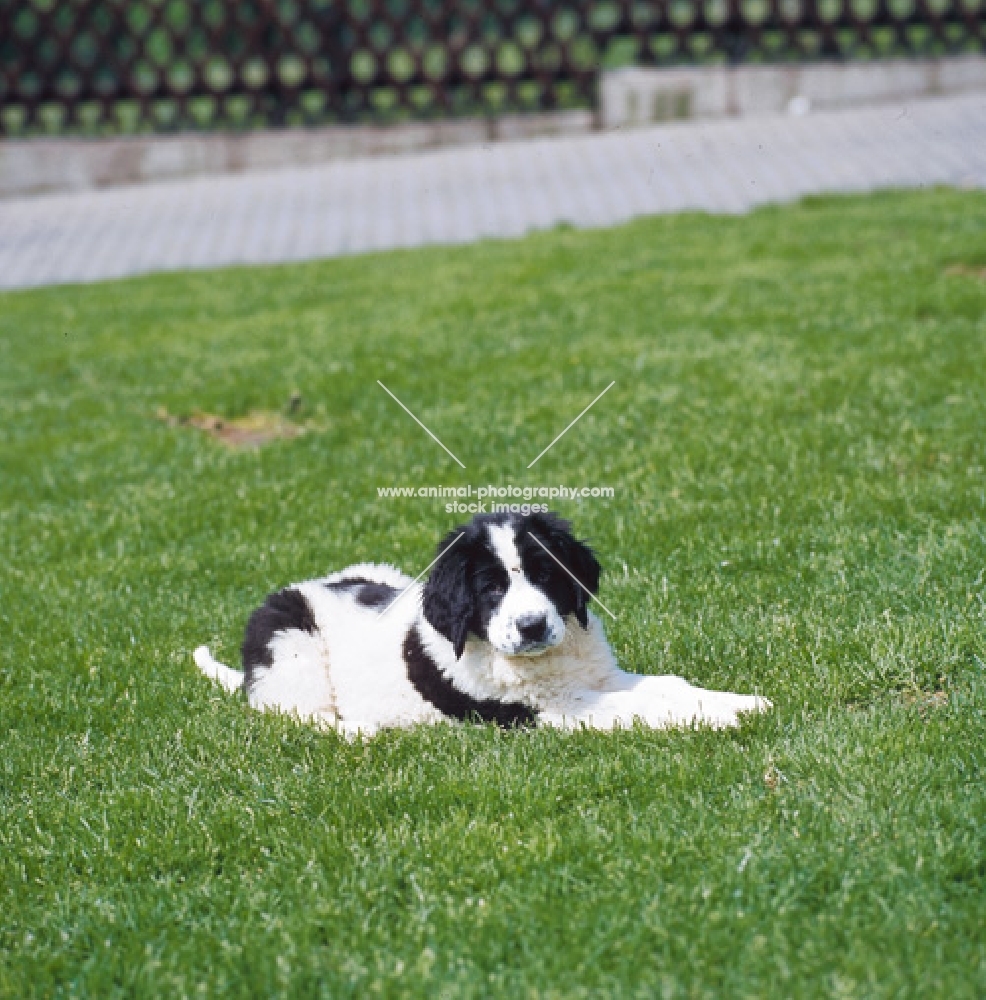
(492, 587)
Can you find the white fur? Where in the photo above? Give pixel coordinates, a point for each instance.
(225, 676)
(351, 673)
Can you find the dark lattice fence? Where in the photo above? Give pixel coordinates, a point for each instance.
(105, 66)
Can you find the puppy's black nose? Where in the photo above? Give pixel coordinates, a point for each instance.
(533, 628)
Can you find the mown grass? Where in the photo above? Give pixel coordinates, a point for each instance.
(796, 442)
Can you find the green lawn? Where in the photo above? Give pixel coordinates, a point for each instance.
(796, 439)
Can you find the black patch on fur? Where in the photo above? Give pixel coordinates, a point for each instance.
(369, 593)
(375, 595)
(283, 610)
(438, 690)
(347, 583)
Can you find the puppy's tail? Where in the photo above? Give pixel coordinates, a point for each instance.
(230, 679)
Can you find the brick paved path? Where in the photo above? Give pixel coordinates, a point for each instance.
(498, 190)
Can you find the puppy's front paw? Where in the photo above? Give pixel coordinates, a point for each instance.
(723, 709)
(747, 704)
(753, 703)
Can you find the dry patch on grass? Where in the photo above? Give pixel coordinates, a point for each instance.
(967, 271)
(252, 430)
(925, 700)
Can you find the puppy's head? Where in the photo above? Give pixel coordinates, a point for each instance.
(512, 580)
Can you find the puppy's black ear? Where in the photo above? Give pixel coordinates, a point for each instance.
(585, 567)
(448, 602)
(575, 556)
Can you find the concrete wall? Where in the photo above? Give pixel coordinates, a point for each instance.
(30, 166)
(642, 96)
(628, 97)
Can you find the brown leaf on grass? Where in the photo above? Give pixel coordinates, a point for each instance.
(252, 430)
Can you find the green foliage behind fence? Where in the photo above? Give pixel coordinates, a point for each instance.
(111, 66)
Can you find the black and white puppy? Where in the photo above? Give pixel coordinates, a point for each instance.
(500, 632)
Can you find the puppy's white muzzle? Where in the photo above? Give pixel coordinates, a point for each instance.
(530, 633)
